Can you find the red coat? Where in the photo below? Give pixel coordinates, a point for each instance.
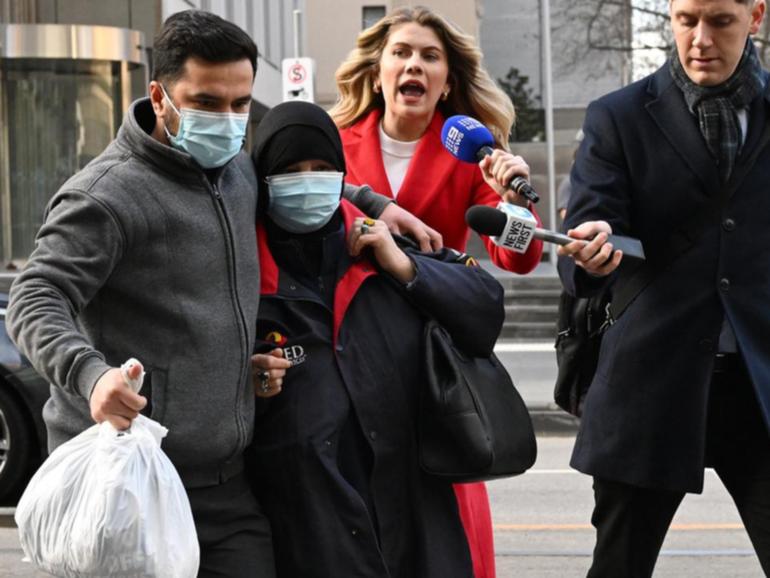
(437, 188)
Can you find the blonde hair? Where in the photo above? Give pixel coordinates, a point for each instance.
(472, 90)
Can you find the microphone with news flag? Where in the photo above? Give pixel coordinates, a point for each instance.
(514, 227)
(470, 141)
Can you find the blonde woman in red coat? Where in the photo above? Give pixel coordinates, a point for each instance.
(409, 72)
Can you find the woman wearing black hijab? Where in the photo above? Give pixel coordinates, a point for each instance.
(334, 453)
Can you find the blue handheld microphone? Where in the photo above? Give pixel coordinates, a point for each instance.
(470, 141)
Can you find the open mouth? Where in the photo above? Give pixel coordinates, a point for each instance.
(412, 88)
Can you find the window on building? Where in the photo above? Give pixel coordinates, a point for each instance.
(370, 15)
(282, 36)
(250, 19)
(268, 52)
(59, 114)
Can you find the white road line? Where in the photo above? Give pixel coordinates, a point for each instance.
(524, 347)
(589, 553)
(696, 527)
(563, 471)
(553, 472)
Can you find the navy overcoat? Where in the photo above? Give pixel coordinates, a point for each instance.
(643, 166)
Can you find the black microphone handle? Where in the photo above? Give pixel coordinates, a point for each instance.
(523, 188)
(518, 184)
(552, 237)
(631, 247)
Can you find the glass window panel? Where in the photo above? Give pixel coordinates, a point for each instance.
(57, 115)
(370, 15)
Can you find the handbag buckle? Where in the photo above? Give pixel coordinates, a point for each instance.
(609, 320)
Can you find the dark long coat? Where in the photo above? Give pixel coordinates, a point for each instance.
(355, 382)
(644, 167)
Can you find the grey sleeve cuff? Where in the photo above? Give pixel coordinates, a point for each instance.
(86, 373)
(369, 202)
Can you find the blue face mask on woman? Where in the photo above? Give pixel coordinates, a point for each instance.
(211, 138)
(303, 202)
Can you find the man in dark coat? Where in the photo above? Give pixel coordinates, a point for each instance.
(683, 380)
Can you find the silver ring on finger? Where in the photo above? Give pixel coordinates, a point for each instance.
(264, 381)
(364, 229)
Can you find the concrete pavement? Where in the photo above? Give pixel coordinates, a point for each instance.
(532, 366)
(542, 525)
(542, 528)
(542, 519)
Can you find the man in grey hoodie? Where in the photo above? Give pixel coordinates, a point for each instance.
(150, 252)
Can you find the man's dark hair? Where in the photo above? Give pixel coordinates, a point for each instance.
(199, 34)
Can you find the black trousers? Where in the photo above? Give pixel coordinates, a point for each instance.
(233, 533)
(631, 522)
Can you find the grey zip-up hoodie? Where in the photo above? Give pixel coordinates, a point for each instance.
(142, 256)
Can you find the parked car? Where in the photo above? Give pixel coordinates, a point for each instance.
(22, 431)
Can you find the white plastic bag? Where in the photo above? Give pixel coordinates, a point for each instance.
(110, 503)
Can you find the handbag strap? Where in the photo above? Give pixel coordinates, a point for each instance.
(630, 285)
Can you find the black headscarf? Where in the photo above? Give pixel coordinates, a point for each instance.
(292, 132)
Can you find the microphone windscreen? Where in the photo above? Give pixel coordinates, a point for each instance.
(463, 136)
(486, 220)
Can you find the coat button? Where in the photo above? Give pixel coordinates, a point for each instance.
(724, 284)
(372, 435)
(706, 345)
(354, 532)
(339, 347)
(728, 225)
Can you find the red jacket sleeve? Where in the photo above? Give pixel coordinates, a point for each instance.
(521, 263)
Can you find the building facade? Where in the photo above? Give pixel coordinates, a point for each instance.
(512, 36)
(69, 70)
(331, 28)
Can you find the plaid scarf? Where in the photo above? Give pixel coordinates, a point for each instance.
(717, 106)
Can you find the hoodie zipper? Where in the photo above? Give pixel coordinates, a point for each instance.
(237, 310)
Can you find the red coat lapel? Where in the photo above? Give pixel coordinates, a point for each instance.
(428, 172)
(268, 269)
(347, 286)
(363, 155)
(430, 167)
(351, 281)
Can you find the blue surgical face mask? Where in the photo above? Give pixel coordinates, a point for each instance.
(304, 202)
(211, 138)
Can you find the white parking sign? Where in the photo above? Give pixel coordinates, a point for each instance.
(298, 76)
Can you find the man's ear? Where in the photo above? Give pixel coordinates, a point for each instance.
(757, 14)
(157, 98)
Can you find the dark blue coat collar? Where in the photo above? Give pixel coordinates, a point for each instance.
(667, 107)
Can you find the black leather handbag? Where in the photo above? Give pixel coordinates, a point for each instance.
(581, 323)
(473, 424)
